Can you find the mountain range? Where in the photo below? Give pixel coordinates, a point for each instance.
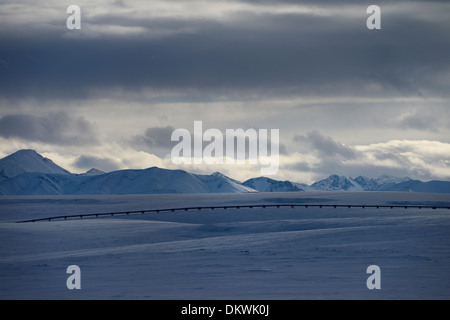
(26, 172)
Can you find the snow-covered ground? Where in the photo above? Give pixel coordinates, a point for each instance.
(259, 253)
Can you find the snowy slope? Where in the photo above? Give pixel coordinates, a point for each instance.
(39, 184)
(220, 183)
(245, 254)
(24, 161)
(263, 184)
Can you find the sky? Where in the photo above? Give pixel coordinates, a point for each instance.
(346, 100)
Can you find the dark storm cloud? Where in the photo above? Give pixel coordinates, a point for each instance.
(159, 137)
(155, 140)
(399, 166)
(55, 128)
(87, 162)
(322, 156)
(415, 121)
(326, 169)
(292, 53)
(326, 147)
(158, 141)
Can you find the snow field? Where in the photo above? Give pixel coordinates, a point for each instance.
(226, 254)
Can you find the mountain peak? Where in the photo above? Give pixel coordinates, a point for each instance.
(218, 174)
(93, 172)
(27, 160)
(335, 176)
(264, 184)
(25, 151)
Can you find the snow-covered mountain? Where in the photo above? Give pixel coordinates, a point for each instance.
(383, 183)
(145, 181)
(263, 184)
(434, 186)
(380, 183)
(28, 173)
(341, 183)
(24, 161)
(335, 182)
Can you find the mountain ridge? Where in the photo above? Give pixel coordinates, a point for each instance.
(26, 172)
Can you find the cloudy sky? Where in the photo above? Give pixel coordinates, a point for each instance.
(346, 99)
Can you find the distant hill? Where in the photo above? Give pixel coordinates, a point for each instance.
(341, 183)
(383, 183)
(26, 172)
(263, 184)
(419, 186)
